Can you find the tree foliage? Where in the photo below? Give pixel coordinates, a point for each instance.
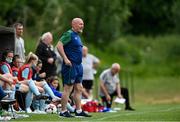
(151, 16)
(105, 20)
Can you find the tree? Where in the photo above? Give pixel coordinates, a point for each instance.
(151, 17)
(176, 15)
(103, 19)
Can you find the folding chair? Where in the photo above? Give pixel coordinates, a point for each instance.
(9, 102)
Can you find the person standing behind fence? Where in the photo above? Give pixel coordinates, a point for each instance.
(110, 87)
(46, 54)
(19, 42)
(70, 48)
(90, 63)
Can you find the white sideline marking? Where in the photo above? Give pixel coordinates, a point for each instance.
(139, 113)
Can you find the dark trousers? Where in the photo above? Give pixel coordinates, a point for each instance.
(124, 93)
(20, 97)
(2, 94)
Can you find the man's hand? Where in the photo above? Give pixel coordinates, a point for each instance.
(120, 96)
(68, 62)
(108, 98)
(50, 60)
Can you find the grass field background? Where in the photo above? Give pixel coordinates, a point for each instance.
(158, 112)
(154, 101)
(157, 90)
(154, 88)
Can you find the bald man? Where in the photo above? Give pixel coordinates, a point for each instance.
(70, 48)
(90, 63)
(110, 87)
(46, 54)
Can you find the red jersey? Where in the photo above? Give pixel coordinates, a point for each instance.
(15, 71)
(9, 67)
(21, 69)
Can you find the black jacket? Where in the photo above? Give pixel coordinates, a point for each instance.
(44, 52)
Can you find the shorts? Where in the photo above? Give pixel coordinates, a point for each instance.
(87, 84)
(72, 74)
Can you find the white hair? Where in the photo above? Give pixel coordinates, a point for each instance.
(84, 47)
(116, 65)
(45, 35)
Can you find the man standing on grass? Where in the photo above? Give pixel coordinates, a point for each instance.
(19, 42)
(70, 48)
(90, 64)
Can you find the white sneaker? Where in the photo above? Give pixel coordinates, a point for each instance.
(42, 112)
(117, 109)
(38, 112)
(112, 111)
(28, 110)
(5, 118)
(20, 111)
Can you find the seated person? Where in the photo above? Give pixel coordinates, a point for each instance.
(110, 87)
(10, 82)
(25, 73)
(15, 65)
(6, 61)
(37, 75)
(5, 69)
(38, 105)
(54, 84)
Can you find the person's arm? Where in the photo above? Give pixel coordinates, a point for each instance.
(39, 51)
(52, 57)
(118, 90)
(104, 90)
(56, 92)
(6, 79)
(5, 69)
(96, 61)
(25, 73)
(84, 93)
(62, 53)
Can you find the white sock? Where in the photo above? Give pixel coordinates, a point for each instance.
(79, 111)
(70, 108)
(63, 111)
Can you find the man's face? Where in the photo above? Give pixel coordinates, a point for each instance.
(78, 26)
(19, 31)
(115, 70)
